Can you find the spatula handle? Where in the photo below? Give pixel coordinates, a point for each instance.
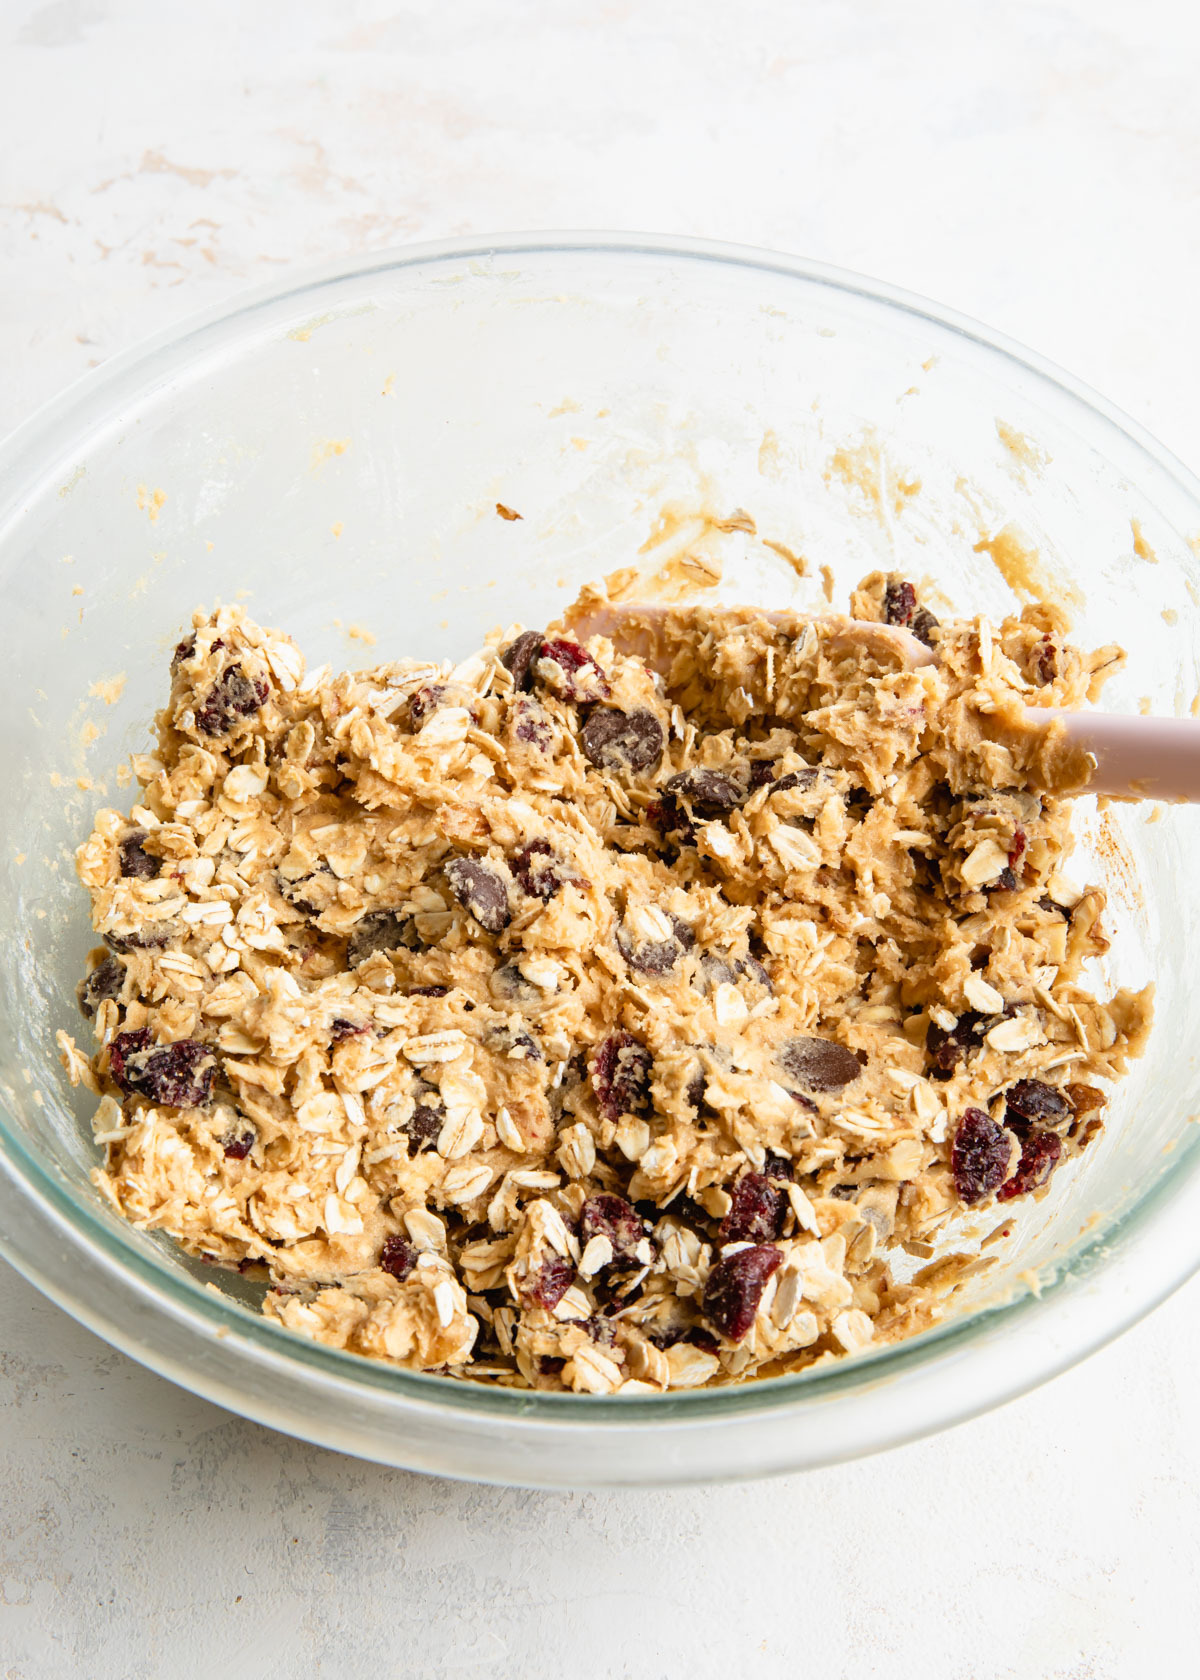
(1136, 757)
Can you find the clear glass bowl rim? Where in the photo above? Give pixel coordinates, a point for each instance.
(49, 433)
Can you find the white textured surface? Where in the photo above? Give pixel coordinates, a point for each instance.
(1035, 165)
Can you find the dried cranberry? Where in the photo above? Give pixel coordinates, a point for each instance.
(779, 1167)
(735, 1287)
(428, 991)
(105, 981)
(179, 1074)
(183, 651)
(581, 678)
(980, 1156)
(1032, 1099)
(618, 1220)
(518, 656)
(234, 695)
(480, 888)
(1040, 1154)
(239, 1141)
(1008, 880)
(758, 1212)
(1045, 662)
(539, 872)
(900, 607)
(380, 930)
(762, 773)
(127, 1044)
(533, 725)
(397, 1257)
(710, 793)
(425, 701)
(136, 862)
(547, 1286)
(621, 1075)
(899, 602)
(623, 740)
(817, 1064)
(946, 1048)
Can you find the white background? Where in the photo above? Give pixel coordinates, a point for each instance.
(1035, 164)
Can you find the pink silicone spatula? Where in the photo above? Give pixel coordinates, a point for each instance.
(1133, 757)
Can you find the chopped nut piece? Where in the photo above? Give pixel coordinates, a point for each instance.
(986, 863)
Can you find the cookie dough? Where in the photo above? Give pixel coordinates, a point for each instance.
(547, 1022)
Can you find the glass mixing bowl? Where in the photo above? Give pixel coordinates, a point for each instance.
(333, 452)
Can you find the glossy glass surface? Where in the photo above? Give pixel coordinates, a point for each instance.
(337, 449)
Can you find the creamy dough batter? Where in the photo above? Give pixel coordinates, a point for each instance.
(542, 1021)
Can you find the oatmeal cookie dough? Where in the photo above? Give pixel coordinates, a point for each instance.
(543, 1021)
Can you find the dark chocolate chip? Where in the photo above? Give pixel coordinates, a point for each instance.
(480, 888)
(817, 1064)
(708, 792)
(380, 930)
(518, 656)
(631, 741)
(104, 981)
(136, 862)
